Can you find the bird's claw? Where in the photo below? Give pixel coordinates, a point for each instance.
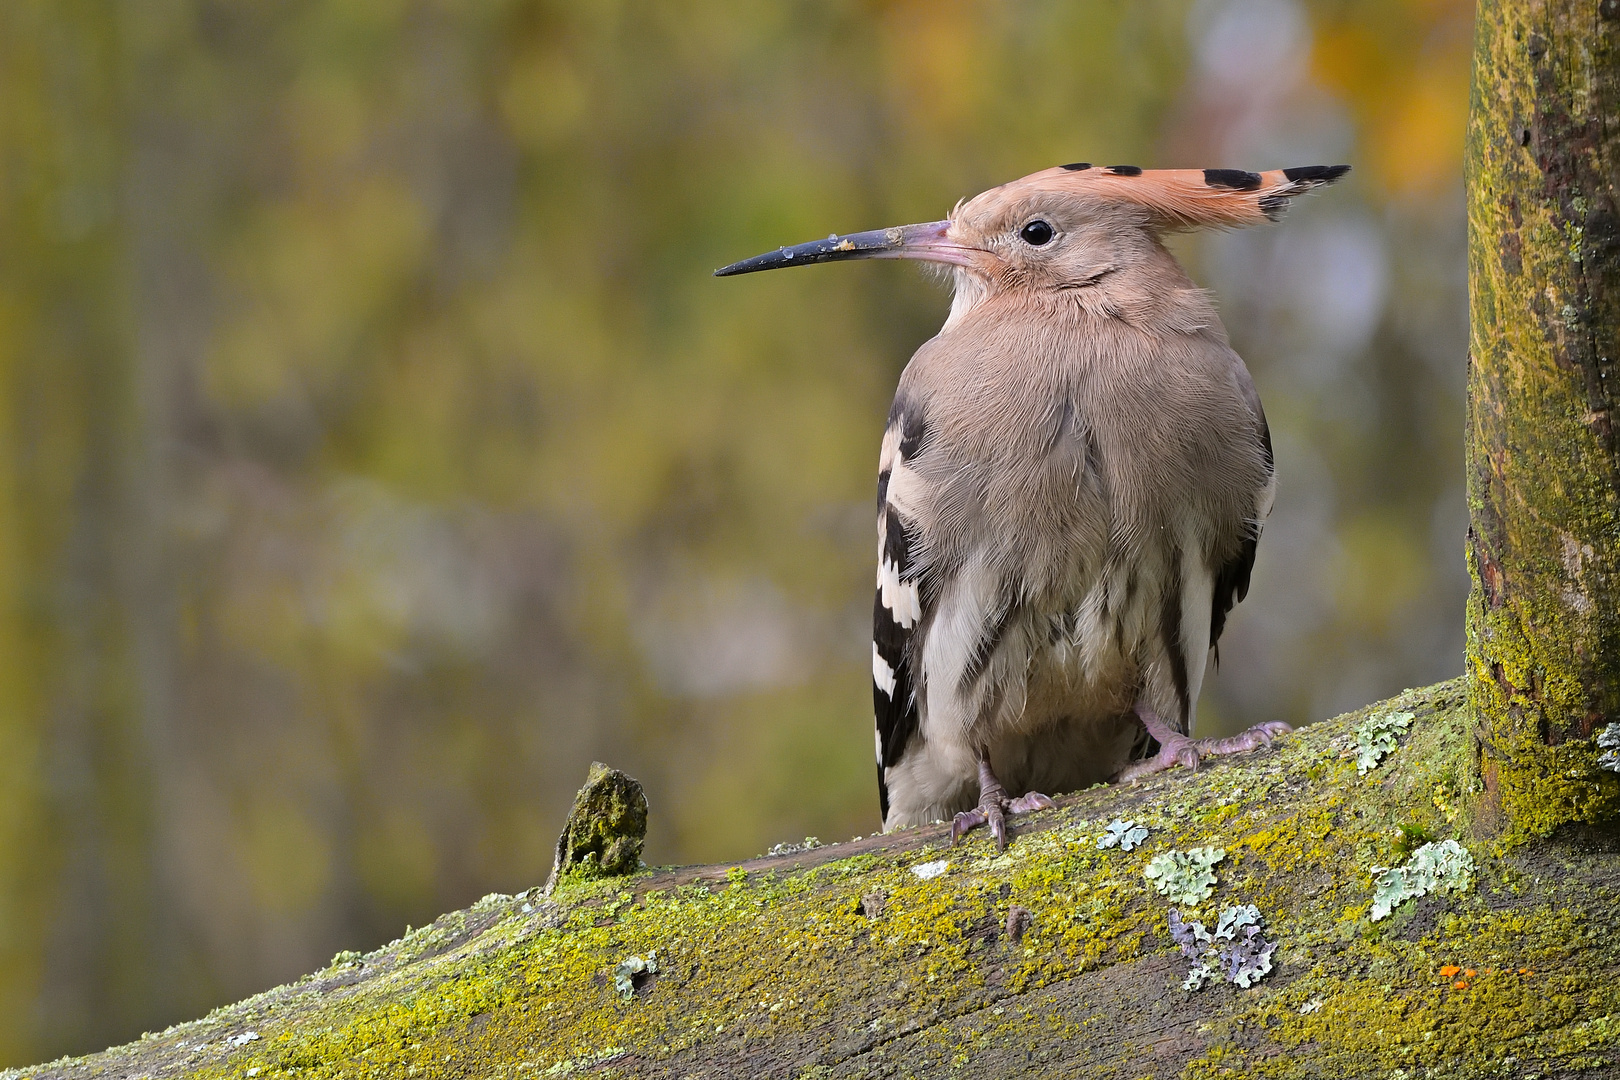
(1244, 741)
(993, 810)
(1029, 803)
(968, 820)
(1177, 749)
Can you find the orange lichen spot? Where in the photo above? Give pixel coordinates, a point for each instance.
(1449, 970)
(1459, 985)
(1469, 973)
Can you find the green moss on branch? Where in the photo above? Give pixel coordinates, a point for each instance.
(843, 961)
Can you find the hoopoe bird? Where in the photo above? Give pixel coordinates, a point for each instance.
(1071, 487)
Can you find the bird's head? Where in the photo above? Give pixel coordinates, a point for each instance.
(1066, 227)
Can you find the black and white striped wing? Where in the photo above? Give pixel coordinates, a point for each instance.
(897, 607)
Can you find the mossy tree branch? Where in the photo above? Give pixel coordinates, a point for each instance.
(1053, 959)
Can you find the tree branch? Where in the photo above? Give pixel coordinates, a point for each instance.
(846, 961)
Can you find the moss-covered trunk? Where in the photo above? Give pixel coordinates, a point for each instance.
(1543, 380)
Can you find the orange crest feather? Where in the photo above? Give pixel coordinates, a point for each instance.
(1198, 198)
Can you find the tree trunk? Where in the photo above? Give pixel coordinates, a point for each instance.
(903, 956)
(1543, 161)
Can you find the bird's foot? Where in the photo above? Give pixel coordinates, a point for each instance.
(993, 812)
(1178, 749)
(993, 808)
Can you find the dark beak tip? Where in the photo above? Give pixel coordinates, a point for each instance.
(743, 266)
(833, 249)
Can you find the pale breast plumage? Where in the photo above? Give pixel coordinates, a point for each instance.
(1030, 633)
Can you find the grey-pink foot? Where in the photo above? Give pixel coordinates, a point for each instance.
(993, 808)
(1178, 749)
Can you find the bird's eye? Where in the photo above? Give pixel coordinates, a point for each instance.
(1036, 233)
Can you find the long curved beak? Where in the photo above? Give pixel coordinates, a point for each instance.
(927, 242)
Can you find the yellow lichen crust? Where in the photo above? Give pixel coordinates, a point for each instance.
(1543, 449)
(845, 961)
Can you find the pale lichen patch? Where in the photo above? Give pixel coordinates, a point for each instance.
(1186, 877)
(1435, 867)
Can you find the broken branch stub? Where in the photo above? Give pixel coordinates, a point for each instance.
(605, 830)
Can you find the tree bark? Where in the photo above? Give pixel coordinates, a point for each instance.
(1543, 162)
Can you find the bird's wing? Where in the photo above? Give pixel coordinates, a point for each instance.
(1232, 577)
(1232, 585)
(897, 607)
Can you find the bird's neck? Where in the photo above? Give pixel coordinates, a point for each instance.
(1152, 295)
(970, 291)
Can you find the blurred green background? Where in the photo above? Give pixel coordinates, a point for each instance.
(376, 449)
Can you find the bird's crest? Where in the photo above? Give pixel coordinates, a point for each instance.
(1189, 198)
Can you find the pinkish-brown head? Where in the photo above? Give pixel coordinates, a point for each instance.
(1065, 227)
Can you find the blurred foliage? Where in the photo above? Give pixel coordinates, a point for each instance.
(378, 450)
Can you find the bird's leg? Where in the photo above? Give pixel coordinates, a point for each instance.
(994, 806)
(1178, 749)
